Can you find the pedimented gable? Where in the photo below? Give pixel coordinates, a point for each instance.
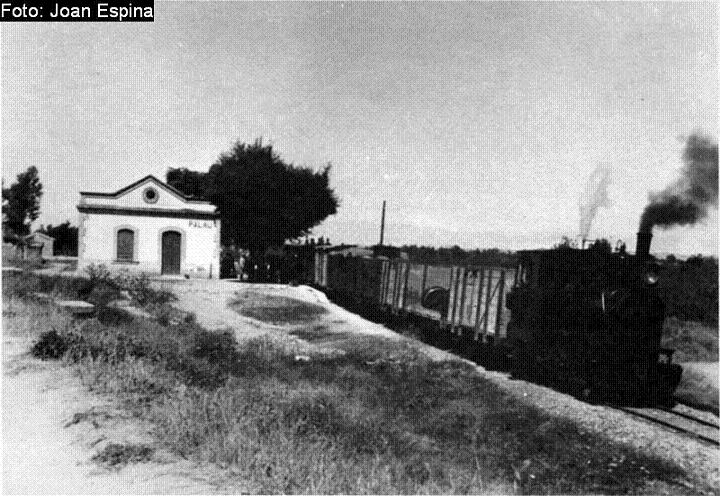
(148, 193)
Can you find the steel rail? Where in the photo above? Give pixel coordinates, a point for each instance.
(690, 417)
(664, 423)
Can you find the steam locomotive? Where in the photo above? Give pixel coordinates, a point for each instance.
(590, 322)
(585, 321)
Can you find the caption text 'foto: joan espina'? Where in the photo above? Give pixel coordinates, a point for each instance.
(55, 11)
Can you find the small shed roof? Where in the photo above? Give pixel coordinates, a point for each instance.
(38, 236)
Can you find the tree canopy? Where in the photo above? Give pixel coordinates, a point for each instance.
(66, 238)
(191, 183)
(21, 202)
(263, 201)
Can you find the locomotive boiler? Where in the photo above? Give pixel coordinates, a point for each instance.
(590, 322)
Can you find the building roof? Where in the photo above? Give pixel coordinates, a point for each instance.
(38, 234)
(173, 191)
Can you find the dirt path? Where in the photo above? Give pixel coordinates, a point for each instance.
(209, 301)
(43, 455)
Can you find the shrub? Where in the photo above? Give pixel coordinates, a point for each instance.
(114, 455)
(139, 287)
(690, 289)
(50, 346)
(102, 294)
(99, 273)
(113, 316)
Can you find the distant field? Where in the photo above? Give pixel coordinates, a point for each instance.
(692, 341)
(696, 349)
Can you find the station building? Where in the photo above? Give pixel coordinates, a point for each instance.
(151, 227)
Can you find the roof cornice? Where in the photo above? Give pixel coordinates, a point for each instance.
(177, 213)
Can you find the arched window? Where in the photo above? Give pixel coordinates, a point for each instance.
(125, 244)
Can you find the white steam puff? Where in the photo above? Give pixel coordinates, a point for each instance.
(594, 196)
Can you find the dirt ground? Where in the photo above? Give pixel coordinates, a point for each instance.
(43, 454)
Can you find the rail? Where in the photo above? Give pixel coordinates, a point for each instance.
(677, 421)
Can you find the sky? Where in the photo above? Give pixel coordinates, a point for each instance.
(478, 122)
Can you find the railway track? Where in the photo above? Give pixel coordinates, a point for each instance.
(685, 423)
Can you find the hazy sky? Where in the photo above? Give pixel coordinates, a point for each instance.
(479, 123)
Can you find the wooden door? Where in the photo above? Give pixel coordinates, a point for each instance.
(171, 252)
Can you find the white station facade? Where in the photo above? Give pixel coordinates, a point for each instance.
(151, 227)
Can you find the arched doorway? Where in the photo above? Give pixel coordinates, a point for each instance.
(171, 252)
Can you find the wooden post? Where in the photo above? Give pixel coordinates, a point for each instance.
(405, 286)
(386, 283)
(398, 286)
(381, 290)
(478, 318)
(498, 318)
(471, 295)
(461, 310)
(455, 299)
(325, 272)
(424, 280)
(445, 313)
(488, 300)
(396, 282)
(382, 225)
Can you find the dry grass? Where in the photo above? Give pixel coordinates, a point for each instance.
(379, 418)
(696, 348)
(692, 341)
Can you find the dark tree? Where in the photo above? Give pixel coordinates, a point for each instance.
(191, 183)
(21, 202)
(263, 201)
(66, 238)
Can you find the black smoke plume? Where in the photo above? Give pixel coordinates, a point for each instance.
(688, 199)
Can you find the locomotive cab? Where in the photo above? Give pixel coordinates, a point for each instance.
(590, 322)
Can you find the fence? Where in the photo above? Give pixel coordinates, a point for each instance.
(476, 295)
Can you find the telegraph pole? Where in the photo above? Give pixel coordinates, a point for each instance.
(382, 224)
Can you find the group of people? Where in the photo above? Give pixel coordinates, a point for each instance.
(273, 268)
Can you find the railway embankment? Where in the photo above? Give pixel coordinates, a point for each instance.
(282, 391)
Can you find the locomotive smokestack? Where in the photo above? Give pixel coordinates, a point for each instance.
(642, 247)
